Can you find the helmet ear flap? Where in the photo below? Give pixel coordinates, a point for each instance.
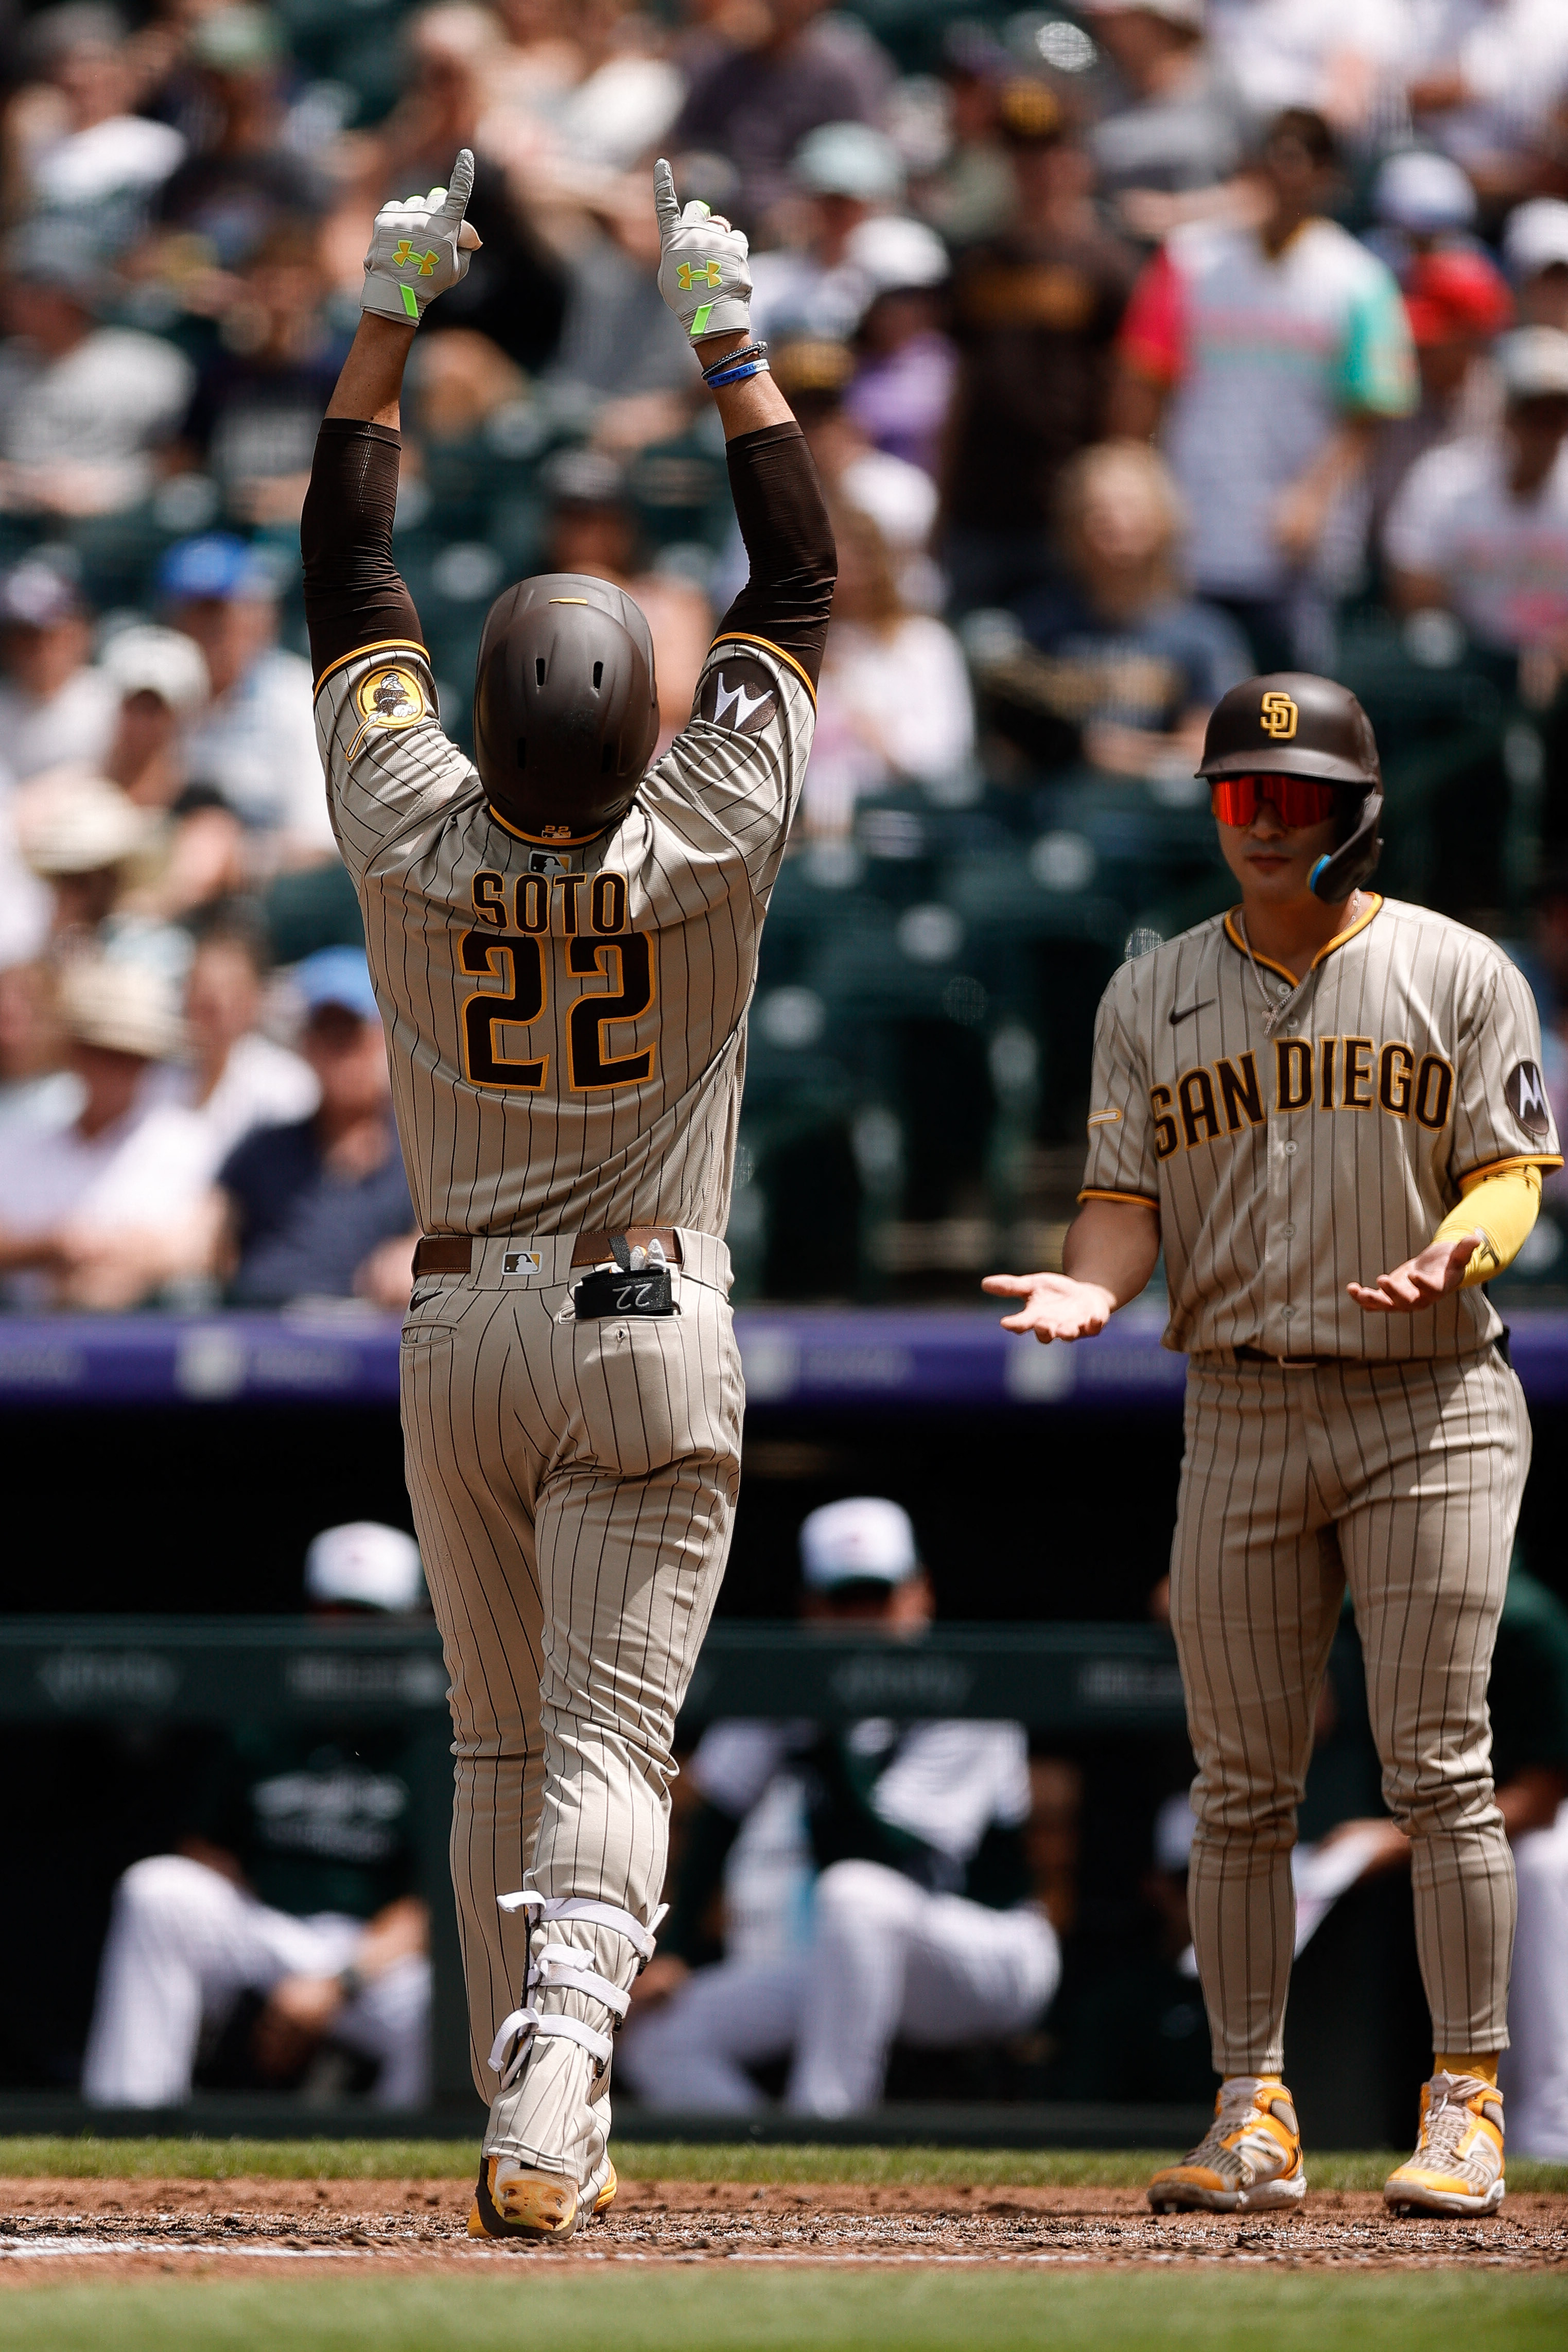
(1333, 877)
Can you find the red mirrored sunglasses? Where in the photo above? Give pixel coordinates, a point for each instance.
(1296, 800)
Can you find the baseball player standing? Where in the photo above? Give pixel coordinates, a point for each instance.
(1318, 1084)
(564, 942)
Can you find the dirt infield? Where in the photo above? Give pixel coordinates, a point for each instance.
(95, 2229)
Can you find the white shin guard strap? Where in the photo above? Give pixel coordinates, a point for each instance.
(599, 1915)
(568, 2029)
(563, 1964)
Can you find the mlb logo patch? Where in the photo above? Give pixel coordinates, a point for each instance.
(522, 1262)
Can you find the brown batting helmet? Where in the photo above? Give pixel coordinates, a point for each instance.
(566, 710)
(1290, 723)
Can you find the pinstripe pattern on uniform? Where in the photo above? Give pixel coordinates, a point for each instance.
(573, 1489)
(574, 1484)
(1402, 1482)
(700, 849)
(1267, 1211)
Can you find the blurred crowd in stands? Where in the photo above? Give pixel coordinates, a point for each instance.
(1140, 346)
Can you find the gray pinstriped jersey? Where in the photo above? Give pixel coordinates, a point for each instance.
(1297, 1139)
(566, 1027)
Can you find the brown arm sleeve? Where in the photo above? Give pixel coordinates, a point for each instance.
(789, 540)
(353, 594)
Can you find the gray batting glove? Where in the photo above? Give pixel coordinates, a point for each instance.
(704, 272)
(420, 247)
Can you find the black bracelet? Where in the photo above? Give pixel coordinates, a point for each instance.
(757, 351)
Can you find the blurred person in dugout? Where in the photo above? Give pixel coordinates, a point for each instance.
(97, 1201)
(1114, 650)
(255, 742)
(893, 700)
(317, 1207)
(918, 1924)
(1269, 356)
(1035, 311)
(591, 527)
(286, 1923)
(86, 409)
(1527, 1699)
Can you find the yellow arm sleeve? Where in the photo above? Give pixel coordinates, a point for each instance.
(1504, 1209)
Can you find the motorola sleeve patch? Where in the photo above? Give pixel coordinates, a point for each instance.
(1526, 1095)
(738, 693)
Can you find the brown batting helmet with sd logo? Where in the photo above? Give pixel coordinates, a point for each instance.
(1290, 723)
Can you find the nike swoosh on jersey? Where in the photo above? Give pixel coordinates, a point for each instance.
(1187, 1011)
(737, 699)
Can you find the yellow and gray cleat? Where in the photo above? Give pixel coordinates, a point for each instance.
(1457, 2164)
(514, 2200)
(1248, 2161)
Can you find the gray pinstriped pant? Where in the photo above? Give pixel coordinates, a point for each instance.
(573, 1489)
(1404, 1482)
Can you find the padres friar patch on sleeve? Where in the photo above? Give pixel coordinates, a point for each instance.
(739, 694)
(389, 695)
(1526, 1095)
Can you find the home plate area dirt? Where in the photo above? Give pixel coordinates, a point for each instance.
(59, 2228)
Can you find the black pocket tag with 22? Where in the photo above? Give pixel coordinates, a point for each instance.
(608, 1291)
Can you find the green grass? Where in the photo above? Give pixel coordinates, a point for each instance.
(87, 2159)
(783, 2310)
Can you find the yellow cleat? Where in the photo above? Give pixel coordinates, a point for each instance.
(1248, 2161)
(1457, 2164)
(606, 2196)
(512, 2201)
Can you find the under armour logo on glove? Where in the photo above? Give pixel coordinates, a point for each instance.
(419, 247)
(704, 268)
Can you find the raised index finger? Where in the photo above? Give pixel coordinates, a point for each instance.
(666, 203)
(460, 187)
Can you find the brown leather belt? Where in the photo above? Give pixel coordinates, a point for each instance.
(454, 1252)
(1282, 1363)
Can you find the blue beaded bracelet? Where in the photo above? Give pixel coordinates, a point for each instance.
(736, 375)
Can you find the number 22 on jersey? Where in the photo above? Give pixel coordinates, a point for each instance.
(515, 957)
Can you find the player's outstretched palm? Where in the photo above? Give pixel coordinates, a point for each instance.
(1436, 1270)
(1055, 1306)
(419, 247)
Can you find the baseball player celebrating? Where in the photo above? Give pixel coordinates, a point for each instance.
(1320, 1084)
(564, 942)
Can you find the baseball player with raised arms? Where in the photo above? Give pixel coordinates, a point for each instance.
(1328, 1107)
(563, 941)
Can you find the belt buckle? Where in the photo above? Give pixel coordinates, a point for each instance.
(1298, 1363)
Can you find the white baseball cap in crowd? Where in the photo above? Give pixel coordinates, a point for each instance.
(1174, 1826)
(1193, 14)
(850, 159)
(863, 1539)
(1534, 363)
(897, 255)
(123, 1006)
(1423, 193)
(73, 821)
(164, 662)
(1536, 237)
(364, 1565)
